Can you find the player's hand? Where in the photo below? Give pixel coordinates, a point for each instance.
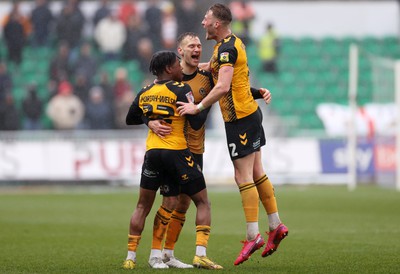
(187, 108)
(205, 66)
(266, 94)
(160, 128)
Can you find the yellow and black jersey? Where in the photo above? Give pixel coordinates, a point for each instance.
(201, 83)
(238, 102)
(158, 102)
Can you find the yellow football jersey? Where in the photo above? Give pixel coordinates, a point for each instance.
(158, 102)
(238, 102)
(201, 84)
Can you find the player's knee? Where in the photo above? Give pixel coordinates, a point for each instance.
(184, 203)
(143, 209)
(170, 203)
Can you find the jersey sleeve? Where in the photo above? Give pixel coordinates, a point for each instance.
(256, 93)
(135, 113)
(227, 55)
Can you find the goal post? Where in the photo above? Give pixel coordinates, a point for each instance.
(352, 127)
(384, 106)
(397, 104)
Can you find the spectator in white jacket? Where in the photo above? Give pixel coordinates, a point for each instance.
(65, 109)
(110, 35)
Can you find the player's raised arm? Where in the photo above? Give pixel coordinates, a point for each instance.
(187, 98)
(221, 88)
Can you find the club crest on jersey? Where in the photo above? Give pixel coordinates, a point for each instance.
(190, 96)
(203, 92)
(224, 57)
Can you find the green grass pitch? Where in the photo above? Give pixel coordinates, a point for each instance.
(331, 230)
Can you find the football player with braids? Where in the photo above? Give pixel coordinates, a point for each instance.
(168, 161)
(244, 131)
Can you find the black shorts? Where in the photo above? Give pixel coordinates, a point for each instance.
(173, 171)
(245, 136)
(198, 158)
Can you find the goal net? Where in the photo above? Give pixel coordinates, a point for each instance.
(374, 90)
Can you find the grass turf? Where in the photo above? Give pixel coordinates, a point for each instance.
(331, 231)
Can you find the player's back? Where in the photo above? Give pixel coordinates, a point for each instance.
(158, 102)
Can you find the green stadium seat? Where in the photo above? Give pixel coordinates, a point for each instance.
(289, 48)
(372, 45)
(309, 47)
(312, 121)
(29, 66)
(287, 77)
(347, 41)
(333, 47)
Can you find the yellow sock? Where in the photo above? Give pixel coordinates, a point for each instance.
(267, 194)
(174, 229)
(249, 195)
(202, 235)
(133, 242)
(161, 221)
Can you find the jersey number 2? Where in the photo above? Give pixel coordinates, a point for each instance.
(233, 149)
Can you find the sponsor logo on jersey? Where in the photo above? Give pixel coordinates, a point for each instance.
(224, 57)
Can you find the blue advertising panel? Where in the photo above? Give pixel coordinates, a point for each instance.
(334, 157)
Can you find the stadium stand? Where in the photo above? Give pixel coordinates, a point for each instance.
(310, 71)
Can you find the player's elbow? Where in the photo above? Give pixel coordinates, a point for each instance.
(223, 89)
(133, 120)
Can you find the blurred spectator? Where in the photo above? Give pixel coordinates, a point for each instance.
(110, 35)
(86, 63)
(81, 87)
(122, 84)
(268, 48)
(99, 112)
(32, 108)
(103, 11)
(6, 82)
(22, 19)
(65, 110)
(70, 24)
(52, 88)
(42, 19)
(134, 33)
(126, 9)
(14, 37)
(153, 15)
(243, 14)
(188, 16)
(9, 115)
(169, 27)
(145, 49)
(122, 105)
(104, 83)
(60, 67)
